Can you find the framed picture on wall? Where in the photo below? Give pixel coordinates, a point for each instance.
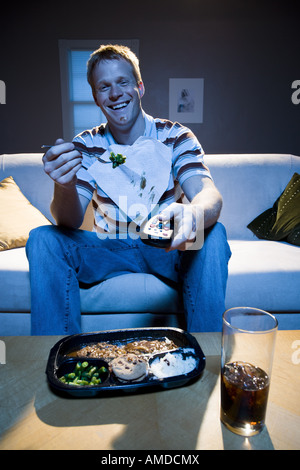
(186, 100)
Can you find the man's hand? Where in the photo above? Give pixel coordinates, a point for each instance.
(62, 162)
(190, 220)
(188, 223)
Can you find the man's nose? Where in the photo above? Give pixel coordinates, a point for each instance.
(115, 92)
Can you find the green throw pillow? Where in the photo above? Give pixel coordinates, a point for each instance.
(282, 221)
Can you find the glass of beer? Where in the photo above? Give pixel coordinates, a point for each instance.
(248, 341)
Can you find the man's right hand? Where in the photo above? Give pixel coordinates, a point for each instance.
(62, 162)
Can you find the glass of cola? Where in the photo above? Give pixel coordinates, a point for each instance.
(248, 341)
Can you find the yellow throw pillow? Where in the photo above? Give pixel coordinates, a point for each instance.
(17, 216)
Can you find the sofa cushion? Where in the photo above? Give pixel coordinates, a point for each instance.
(264, 274)
(27, 171)
(132, 293)
(249, 185)
(282, 221)
(257, 277)
(14, 281)
(17, 216)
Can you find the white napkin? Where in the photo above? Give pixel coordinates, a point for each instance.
(140, 181)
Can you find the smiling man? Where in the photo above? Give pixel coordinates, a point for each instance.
(118, 90)
(161, 154)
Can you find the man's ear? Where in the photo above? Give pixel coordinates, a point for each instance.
(141, 89)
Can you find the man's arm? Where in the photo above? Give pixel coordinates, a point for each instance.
(62, 163)
(202, 192)
(68, 207)
(203, 211)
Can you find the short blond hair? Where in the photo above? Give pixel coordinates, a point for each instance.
(113, 52)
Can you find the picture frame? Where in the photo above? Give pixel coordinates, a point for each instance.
(186, 100)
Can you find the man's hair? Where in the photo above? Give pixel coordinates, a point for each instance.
(113, 52)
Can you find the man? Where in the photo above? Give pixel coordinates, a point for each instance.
(62, 256)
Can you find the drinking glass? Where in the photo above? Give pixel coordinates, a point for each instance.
(248, 341)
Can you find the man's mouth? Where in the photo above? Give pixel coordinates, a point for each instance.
(123, 105)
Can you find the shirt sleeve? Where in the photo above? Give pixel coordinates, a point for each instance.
(188, 156)
(85, 183)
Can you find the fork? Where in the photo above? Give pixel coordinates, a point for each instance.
(47, 147)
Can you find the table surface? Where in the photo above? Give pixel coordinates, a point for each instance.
(186, 418)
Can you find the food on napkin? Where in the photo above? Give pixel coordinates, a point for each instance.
(141, 179)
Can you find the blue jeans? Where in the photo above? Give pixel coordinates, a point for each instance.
(61, 258)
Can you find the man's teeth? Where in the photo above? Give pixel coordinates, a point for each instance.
(119, 106)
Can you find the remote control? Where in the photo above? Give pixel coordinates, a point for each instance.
(157, 232)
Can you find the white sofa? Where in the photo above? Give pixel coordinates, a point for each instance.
(263, 274)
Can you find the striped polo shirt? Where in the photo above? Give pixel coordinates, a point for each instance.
(187, 161)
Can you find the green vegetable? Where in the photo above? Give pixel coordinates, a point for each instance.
(84, 374)
(117, 159)
(71, 376)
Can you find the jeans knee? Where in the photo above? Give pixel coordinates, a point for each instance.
(216, 240)
(39, 232)
(216, 231)
(216, 234)
(40, 238)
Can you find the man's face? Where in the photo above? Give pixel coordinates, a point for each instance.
(117, 93)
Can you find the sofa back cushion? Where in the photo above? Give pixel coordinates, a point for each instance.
(249, 184)
(27, 171)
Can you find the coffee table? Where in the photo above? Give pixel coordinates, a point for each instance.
(187, 418)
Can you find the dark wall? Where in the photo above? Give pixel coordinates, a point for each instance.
(248, 53)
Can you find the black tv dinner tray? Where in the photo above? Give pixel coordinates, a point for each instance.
(62, 360)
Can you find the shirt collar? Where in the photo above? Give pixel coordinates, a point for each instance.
(150, 129)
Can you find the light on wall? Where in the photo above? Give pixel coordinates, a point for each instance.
(2, 92)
